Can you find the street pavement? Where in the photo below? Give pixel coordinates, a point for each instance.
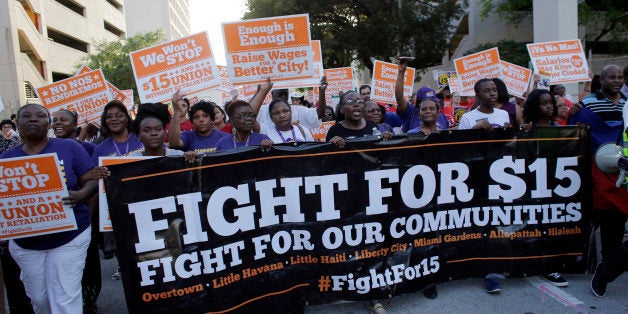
(519, 295)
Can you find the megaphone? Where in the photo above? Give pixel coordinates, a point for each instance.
(609, 159)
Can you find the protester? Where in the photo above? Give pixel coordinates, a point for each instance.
(52, 265)
(329, 114)
(515, 113)
(64, 124)
(296, 98)
(485, 115)
(116, 124)
(373, 113)
(559, 89)
(408, 113)
(184, 123)
(624, 87)
(365, 92)
(149, 125)
(608, 270)
(242, 118)
(220, 120)
(9, 137)
(353, 123)
(562, 114)
(540, 108)
(428, 113)
(203, 138)
(282, 131)
(602, 112)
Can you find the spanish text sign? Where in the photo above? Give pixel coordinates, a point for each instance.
(515, 77)
(186, 63)
(86, 94)
(565, 60)
(275, 47)
(384, 79)
(31, 192)
(472, 68)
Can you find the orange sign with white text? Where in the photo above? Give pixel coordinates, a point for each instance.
(186, 63)
(384, 79)
(31, 193)
(86, 94)
(338, 79)
(474, 67)
(275, 47)
(565, 60)
(515, 77)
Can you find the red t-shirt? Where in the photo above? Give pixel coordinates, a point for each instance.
(185, 126)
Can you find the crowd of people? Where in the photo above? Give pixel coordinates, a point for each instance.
(60, 272)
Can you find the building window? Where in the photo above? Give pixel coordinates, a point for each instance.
(114, 30)
(79, 9)
(115, 4)
(66, 40)
(29, 90)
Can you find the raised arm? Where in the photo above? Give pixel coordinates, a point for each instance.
(258, 98)
(320, 110)
(174, 133)
(401, 101)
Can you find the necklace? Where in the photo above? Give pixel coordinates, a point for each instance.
(283, 140)
(245, 144)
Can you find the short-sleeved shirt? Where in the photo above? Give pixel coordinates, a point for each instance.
(228, 142)
(410, 119)
(201, 144)
(89, 147)
(307, 117)
(339, 130)
(497, 118)
(296, 134)
(109, 147)
(74, 162)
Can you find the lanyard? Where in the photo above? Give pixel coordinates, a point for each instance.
(245, 144)
(126, 151)
(283, 140)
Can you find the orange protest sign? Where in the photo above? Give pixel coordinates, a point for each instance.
(474, 67)
(31, 192)
(114, 92)
(384, 79)
(128, 98)
(338, 79)
(275, 47)
(565, 60)
(186, 63)
(515, 77)
(86, 94)
(320, 133)
(103, 213)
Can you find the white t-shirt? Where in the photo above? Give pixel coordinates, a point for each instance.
(307, 117)
(271, 131)
(498, 118)
(625, 113)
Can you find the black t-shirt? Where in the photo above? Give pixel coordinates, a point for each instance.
(339, 130)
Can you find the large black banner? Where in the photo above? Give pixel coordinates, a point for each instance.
(252, 230)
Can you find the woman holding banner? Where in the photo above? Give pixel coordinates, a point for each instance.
(52, 265)
(352, 123)
(116, 126)
(149, 125)
(282, 130)
(243, 119)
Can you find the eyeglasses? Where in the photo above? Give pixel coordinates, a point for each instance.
(118, 115)
(245, 116)
(352, 101)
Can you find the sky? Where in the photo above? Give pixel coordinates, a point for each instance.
(207, 15)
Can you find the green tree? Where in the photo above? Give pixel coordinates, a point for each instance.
(604, 19)
(510, 51)
(113, 58)
(358, 30)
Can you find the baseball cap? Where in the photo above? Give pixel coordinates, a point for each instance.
(426, 92)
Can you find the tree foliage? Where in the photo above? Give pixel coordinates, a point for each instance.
(603, 18)
(113, 58)
(358, 30)
(509, 51)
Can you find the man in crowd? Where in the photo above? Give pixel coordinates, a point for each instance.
(365, 92)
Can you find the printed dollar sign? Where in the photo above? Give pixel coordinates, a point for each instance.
(146, 86)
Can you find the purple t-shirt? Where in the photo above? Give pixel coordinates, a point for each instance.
(89, 147)
(75, 162)
(109, 148)
(410, 119)
(228, 142)
(201, 144)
